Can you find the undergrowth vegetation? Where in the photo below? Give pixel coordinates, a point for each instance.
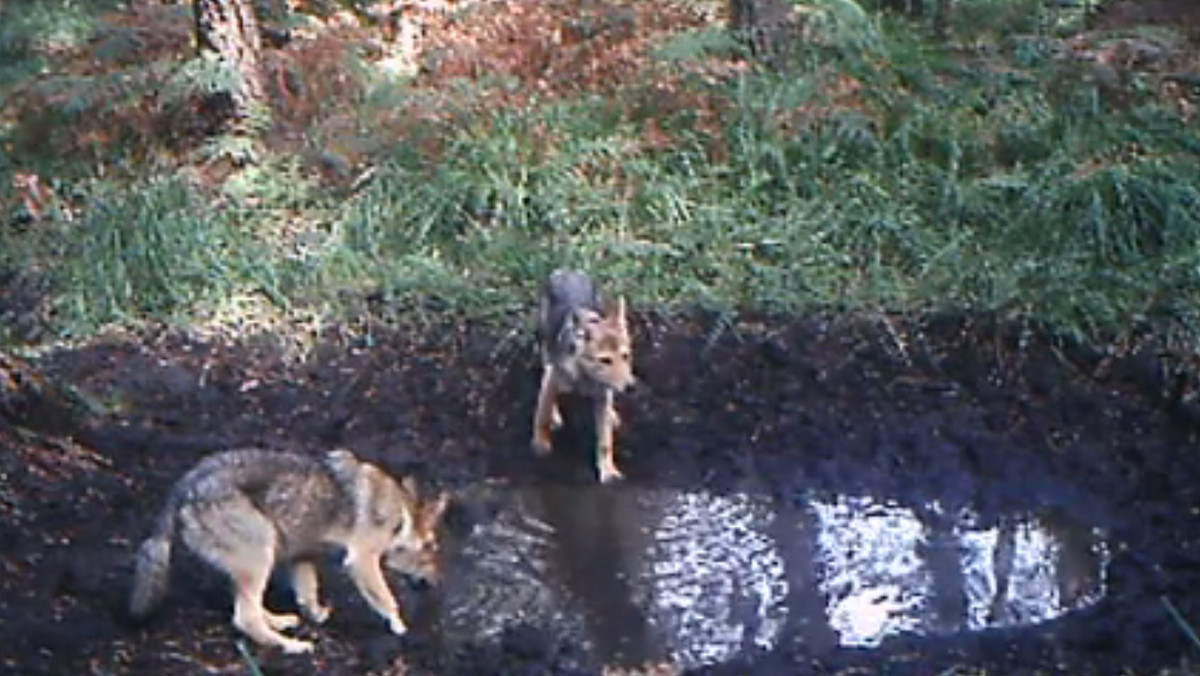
(1015, 170)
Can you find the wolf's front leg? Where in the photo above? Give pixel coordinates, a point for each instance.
(606, 419)
(546, 416)
(368, 577)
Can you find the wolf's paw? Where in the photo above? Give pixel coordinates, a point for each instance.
(609, 474)
(280, 622)
(397, 625)
(293, 646)
(541, 442)
(318, 613)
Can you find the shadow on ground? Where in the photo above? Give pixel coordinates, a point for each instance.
(964, 428)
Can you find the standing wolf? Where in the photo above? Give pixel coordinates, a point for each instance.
(586, 348)
(244, 510)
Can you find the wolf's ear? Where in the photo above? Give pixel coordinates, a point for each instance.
(409, 484)
(616, 311)
(435, 510)
(430, 514)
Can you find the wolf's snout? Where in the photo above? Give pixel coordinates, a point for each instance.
(423, 583)
(630, 383)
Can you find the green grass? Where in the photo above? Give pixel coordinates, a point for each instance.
(1003, 185)
(145, 250)
(30, 29)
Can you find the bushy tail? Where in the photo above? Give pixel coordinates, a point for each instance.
(153, 565)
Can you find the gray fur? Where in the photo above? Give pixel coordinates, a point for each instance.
(564, 294)
(244, 511)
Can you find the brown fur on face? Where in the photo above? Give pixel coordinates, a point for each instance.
(415, 550)
(606, 350)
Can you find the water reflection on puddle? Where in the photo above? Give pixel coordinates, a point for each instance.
(886, 570)
(696, 578)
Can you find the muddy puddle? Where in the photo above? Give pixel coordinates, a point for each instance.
(641, 575)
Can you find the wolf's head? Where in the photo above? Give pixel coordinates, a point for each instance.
(414, 549)
(604, 347)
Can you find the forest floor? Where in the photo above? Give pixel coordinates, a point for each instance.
(949, 409)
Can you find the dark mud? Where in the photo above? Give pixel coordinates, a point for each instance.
(965, 415)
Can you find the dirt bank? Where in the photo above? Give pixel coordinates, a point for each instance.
(962, 412)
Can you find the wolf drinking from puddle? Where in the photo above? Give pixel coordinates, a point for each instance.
(244, 510)
(586, 348)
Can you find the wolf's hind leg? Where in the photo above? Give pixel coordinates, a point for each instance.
(233, 536)
(252, 619)
(304, 583)
(281, 621)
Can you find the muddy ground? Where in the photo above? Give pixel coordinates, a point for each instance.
(951, 409)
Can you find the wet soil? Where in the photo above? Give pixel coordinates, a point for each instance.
(962, 412)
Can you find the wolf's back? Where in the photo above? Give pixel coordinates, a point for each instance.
(564, 291)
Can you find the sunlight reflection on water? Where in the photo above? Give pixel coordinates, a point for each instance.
(887, 571)
(696, 578)
(715, 584)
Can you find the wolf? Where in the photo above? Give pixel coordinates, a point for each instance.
(243, 511)
(586, 348)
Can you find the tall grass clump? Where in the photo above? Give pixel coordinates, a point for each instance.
(153, 249)
(1103, 248)
(509, 195)
(851, 186)
(31, 31)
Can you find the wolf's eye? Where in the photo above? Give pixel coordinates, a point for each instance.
(624, 356)
(607, 361)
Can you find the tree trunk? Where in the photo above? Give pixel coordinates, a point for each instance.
(941, 20)
(766, 27)
(228, 30)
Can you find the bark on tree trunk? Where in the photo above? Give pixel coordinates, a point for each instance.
(229, 30)
(941, 20)
(767, 27)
